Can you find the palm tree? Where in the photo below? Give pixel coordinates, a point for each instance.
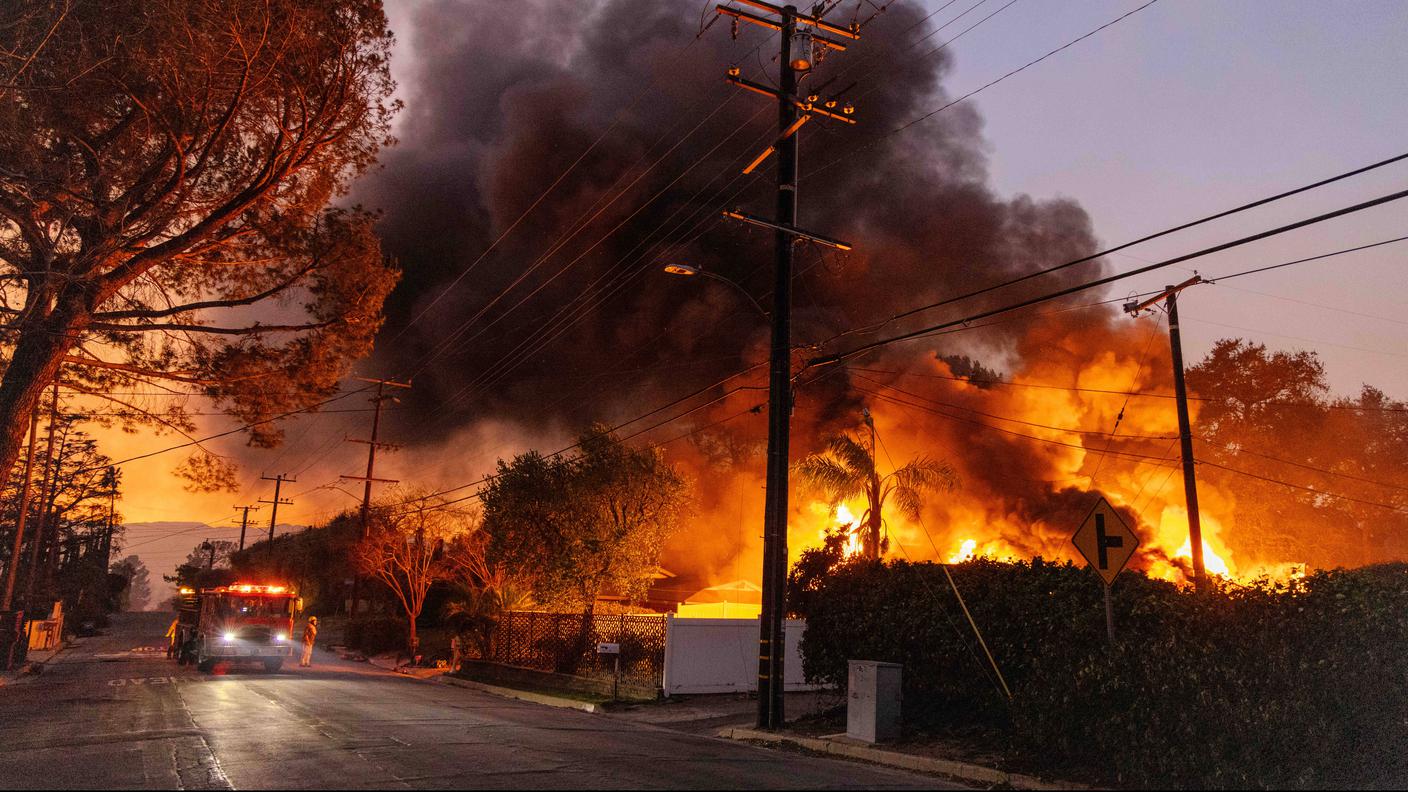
(847, 469)
(476, 610)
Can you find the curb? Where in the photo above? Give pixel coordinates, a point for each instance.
(522, 695)
(33, 668)
(923, 764)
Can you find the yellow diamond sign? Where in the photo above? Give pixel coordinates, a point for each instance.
(1105, 540)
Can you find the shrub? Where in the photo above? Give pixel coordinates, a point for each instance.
(379, 633)
(1264, 685)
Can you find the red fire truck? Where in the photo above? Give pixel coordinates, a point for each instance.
(236, 622)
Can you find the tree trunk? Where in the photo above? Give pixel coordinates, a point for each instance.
(586, 647)
(412, 639)
(39, 354)
(874, 523)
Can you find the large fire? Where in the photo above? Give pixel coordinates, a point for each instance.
(1031, 466)
(840, 519)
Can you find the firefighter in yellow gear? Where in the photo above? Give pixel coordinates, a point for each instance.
(309, 633)
(171, 648)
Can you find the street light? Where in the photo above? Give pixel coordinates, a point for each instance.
(689, 271)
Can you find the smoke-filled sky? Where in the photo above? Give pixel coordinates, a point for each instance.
(1180, 110)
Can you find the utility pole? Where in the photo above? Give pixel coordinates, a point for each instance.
(372, 446)
(244, 520)
(111, 480)
(798, 34)
(870, 541)
(1185, 429)
(23, 511)
(274, 513)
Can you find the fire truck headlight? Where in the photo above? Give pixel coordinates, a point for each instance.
(281, 637)
(229, 637)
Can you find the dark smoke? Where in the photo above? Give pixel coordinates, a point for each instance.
(503, 97)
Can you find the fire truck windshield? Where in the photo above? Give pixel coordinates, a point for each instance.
(246, 607)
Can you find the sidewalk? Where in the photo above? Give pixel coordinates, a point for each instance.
(33, 664)
(706, 713)
(840, 745)
(392, 661)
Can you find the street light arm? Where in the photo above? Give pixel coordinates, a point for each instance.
(738, 288)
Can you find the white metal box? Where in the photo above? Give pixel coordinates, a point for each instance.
(873, 701)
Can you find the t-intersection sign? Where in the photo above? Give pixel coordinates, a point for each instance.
(1105, 540)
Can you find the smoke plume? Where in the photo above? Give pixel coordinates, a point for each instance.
(569, 319)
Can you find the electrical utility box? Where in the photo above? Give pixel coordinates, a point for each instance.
(873, 701)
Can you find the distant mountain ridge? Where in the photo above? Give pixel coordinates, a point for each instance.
(176, 525)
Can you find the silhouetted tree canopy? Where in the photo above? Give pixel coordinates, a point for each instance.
(166, 168)
(574, 527)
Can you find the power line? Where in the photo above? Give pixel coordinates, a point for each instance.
(1351, 477)
(236, 430)
(1107, 392)
(590, 297)
(971, 380)
(1387, 352)
(616, 119)
(1168, 231)
(1034, 424)
(1314, 490)
(980, 89)
(1320, 218)
(924, 408)
(617, 427)
(577, 227)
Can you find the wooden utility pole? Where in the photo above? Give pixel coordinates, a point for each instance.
(13, 572)
(111, 480)
(799, 33)
(372, 445)
(1185, 430)
(274, 513)
(244, 520)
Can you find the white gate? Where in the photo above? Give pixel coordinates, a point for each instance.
(721, 656)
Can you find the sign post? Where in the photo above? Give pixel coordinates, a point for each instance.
(613, 649)
(1107, 544)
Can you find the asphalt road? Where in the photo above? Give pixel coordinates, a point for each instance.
(113, 712)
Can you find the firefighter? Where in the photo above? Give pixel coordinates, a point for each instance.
(171, 647)
(456, 652)
(309, 633)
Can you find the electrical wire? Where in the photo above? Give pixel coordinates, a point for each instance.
(885, 136)
(1173, 230)
(1313, 490)
(931, 410)
(1313, 220)
(1106, 392)
(241, 428)
(1095, 432)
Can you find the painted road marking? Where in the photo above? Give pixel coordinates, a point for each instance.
(135, 653)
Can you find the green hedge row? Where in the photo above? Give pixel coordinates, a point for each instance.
(1301, 685)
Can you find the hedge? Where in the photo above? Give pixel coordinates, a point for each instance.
(1266, 685)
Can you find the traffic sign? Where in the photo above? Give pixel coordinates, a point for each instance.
(1105, 540)
(608, 648)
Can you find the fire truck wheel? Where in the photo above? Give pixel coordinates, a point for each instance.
(272, 664)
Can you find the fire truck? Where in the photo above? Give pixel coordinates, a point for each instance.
(236, 622)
